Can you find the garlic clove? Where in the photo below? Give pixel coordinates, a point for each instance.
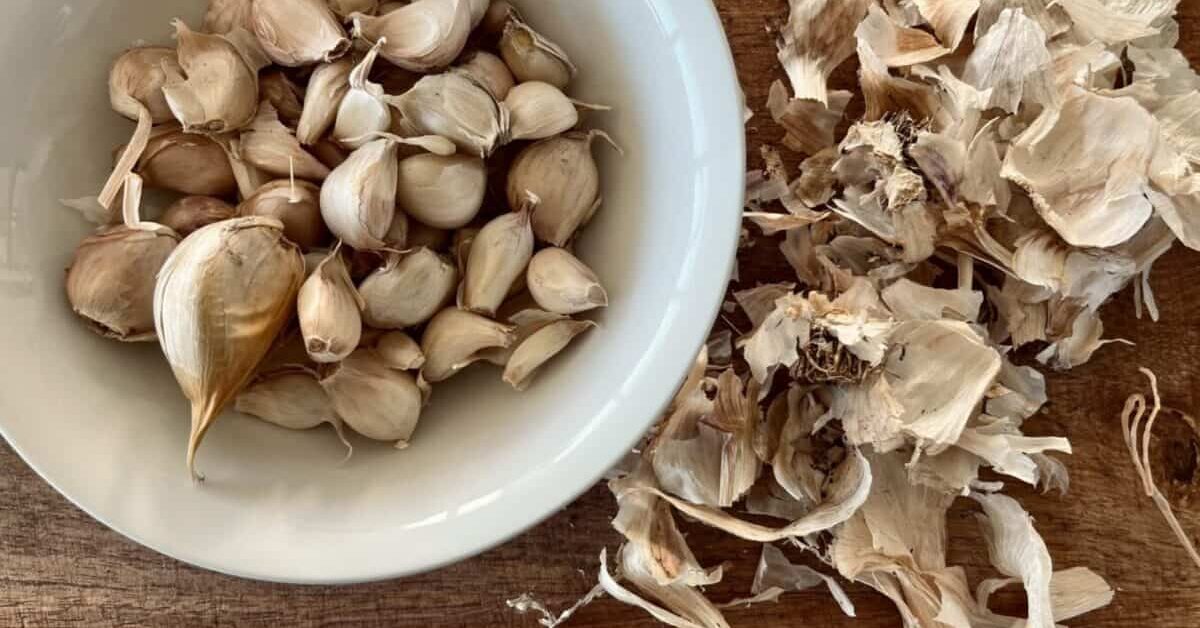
(329, 152)
(295, 33)
(364, 109)
(533, 57)
(454, 340)
(248, 178)
(136, 80)
(323, 97)
(287, 99)
(441, 192)
(400, 351)
(216, 90)
(539, 348)
(295, 204)
(330, 311)
(221, 300)
(397, 235)
(490, 71)
(455, 106)
(224, 16)
(291, 398)
(375, 400)
(562, 173)
(422, 36)
(523, 313)
(190, 213)
(186, 163)
(562, 284)
(539, 110)
(499, 255)
(358, 200)
(272, 148)
(497, 16)
(408, 290)
(345, 9)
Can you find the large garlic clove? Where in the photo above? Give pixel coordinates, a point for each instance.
(455, 339)
(562, 284)
(441, 192)
(408, 290)
(291, 398)
(539, 348)
(272, 148)
(345, 9)
(330, 311)
(455, 106)
(364, 109)
(375, 400)
(224, 16)
(499, 255)
(490, 71)
(217, 90)
(221, 300)
(191, 213)
(539, 110)
(358, 200)
(297, 205)
(295, 33)
(533, 57)
(287, 99)
(400, 351)
(423, 36)
(323, 97)
(562, 173)
(186, 163)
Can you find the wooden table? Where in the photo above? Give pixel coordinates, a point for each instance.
(58, 567)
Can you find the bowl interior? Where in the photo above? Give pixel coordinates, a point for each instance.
(105, 422)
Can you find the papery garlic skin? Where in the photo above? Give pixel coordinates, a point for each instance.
(272, 148)
(186, 163)
(499, 255)
(295, 33)
(533, 57)
(276, 88)
(408, 290)
(327, 87)
(441, 192)
(455, 339)
(297, 205)
(330, 311)
(191, 213)
(562, 284)
(217, 91)
(136, 80)
(422, 36)
(375, 400)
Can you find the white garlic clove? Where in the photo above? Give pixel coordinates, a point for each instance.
(455, 339)
(375, 400)
(191, 213)
(295, 33)
(422, 36)
(288, 100)
(539, 110)
(441, 192)
(216, 88)
(272, 148)
(455, 106)
(562, 284)
(291, 398)
(297, 204)
(400, 351)
(562, 173)
(408, 290)
(186, 163)
(364, 109)
(533, 57)
(327, 87)
(330, 311)
(499, 255)
(358, 199)
(490, 71)
(539, 348)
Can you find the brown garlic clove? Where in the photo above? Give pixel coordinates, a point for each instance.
(287, 99)
(216, 89)
(295, 33)
(296, 205)
(192, 213)
(186, 163)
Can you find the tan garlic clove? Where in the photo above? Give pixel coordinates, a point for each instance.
(375, 400)
(562, 284)
(295, 204)
(295, 33)
(272, 148)
(533, 57)
(461, 245)
(455, 339)
(186, 163)
(543, 345)
(422, 36)
(287, 99)
(490, 71)
(330, 311)
(345, 9)
(323, 97)
(562, 173)
(422, 235)
(291, 398)
(455, 106)
(221, 300)
(364, 109)
(217, 89)
(498, 13)
(110, 282)
(408, 290)
(499, 255)
(191, 213)
(329, 152)
(539, 110)
(248, 177)
(441, 192)
(224, 16)
(400, 351)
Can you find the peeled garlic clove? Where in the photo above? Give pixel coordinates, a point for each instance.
(408, 290)
(344, 9)
(221, 300)
(532, 57)
(291, 398)
(136, 80)
(330, 311)
(297, 205)
(224, 16)
(217, 90)
(423, 36)
(323, 97)
(455, 106)
(358, 200)
(375, 400)
(441, 192)
(270, 146)
(364, 109)
(539, 348)
(186, 163)
(296, 33)
(287, 99)
(562, 284)
(400, 351)
(454, 340)
(422, 235)
(190, 213)
(499, 255)
(562, 173)
(490, 71)
(539, 110)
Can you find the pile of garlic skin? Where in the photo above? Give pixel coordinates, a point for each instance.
(1019, 162)
(373, 197)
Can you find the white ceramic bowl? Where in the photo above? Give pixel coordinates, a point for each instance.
(105, 424)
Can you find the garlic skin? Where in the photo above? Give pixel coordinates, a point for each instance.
(441, 192)
(408, 290)
(330, 311)
(455, 106)
(562, 284)
(364, 109)
(539, 110)
(217, 89)
(295, 33)
(270, 146)
(186, 163)
(400, 351)
(454, 340)
(490, 71)
(136, 81)
(224, 16)
(191, 213)
(291, 398)
(422, 36)
(358, 200)
(297, 205)
(499, 255)
(344, 9)
(562, 173)
(221, 300)
(327, 87)
(532, 57)
(539, 348)
(287, 99)
(375, 400)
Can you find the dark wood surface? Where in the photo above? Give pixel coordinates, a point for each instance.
(58, 567)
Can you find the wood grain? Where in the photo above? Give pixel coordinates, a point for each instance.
(60, 568)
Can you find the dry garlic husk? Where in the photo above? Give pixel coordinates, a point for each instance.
(490, 71)
(291, 398)
(364, 109)
(540, 348)
(190, 213)
(272, 148)
(538, 111)
(322, 98)
(455, 339)
(562, 284)
(422, 235)
(296, 33)
(295, 204)
(287, 99)
(374, 399)
(408, 290)
(330, 311)
(532, 57)
(221, 300)
(400, 351)
(441, 192)
(224, 16)
(456, 106)
(110, 282)
(345, 9)
(217, 89)
(499, 255)
(562, 173)
(186, 163)
(421, 37)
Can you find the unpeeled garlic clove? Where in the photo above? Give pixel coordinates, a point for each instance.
(375, 400)
(408, 290)
(421, 37)
(287, 99)
(527, 318)
(400, 351)
(221, 300)
(224, 16)
(562, 173)
(270, 146)
(291, 398)
(539, 348)
(323, 97)
(397, 235)
(562, 284)
(539, 110)
(364, 109)
(217, 90)
(330, 311)
(186, 163)
(344, 9)
(498, 13)
(533, 57)
(499, 255)
(441, 192)
(295, 33)
(295, 204)
(191, 213)
(455, 106)
(490, 71)
(454, 340)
